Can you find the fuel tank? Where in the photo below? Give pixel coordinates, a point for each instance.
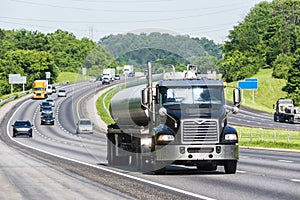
(126, 110)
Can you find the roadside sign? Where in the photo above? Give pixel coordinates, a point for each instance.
(251, 79)
(48, 75)
(248, 85)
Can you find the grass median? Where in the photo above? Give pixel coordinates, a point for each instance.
(268, 138)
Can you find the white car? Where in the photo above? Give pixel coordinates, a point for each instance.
(84, 126)
(62, 93)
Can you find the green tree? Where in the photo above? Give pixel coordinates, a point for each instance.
(30, 63)
(282, 65)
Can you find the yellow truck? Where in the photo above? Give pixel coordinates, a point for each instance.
(40, 89)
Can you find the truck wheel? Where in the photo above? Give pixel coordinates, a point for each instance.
(159, 168)
(276, 118)
(291, 120)
(230, 166)
(111, 155)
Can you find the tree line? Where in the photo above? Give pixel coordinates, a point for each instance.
(32, 54)
(268, 37)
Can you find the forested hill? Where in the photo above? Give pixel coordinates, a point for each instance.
(269, 37)
(127, 47)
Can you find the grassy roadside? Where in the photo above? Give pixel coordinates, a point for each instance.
(267, 138)
(269, 90)
(102, 105)
(70, 77)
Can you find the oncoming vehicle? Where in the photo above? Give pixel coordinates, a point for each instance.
(173, 122)
(44, 104)
(62, 93)
(47, 119)
(84, 126)
(47, 110)
(22, 127)
(51, 102)
(117, 77)
(106, 79)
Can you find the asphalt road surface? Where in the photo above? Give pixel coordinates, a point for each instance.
(58, 164)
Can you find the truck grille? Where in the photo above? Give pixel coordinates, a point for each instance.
(199, 131)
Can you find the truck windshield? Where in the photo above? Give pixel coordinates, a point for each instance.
(192, 95)
(38, 89)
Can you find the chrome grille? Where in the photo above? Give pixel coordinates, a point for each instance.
(200, 131)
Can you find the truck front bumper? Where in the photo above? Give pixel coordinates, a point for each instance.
(196, 152)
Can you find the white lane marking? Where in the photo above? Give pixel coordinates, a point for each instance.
(286, 161)
(241, 172)
(105, 169)
(295, 180)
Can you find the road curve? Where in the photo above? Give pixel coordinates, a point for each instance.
(272, 175)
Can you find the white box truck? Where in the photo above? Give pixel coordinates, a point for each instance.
(110, 72)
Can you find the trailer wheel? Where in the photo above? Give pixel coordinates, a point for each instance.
(111, 155)
(230, 166)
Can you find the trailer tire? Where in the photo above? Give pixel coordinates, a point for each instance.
(230, 166)
(112, 158)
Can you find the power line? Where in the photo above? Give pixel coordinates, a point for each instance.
(120, 22)
(127, 11)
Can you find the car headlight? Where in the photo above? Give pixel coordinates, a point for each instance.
(231, 136)
(165, 138)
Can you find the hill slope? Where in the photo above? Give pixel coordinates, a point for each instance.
(269, 90)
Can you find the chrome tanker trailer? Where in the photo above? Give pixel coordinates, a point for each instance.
(181, 122)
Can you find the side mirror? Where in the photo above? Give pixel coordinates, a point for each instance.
(157, 94)
(144, 97)
(236, 97)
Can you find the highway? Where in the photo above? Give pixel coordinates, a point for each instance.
(58, 164)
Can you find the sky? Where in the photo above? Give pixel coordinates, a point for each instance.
(95, 19)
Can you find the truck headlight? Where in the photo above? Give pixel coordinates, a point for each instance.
(165, 138)
(231, 136)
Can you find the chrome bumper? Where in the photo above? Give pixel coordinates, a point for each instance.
(197, 152)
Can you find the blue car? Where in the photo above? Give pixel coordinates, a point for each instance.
(22, 127)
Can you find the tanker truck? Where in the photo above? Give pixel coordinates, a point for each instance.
(173, 122)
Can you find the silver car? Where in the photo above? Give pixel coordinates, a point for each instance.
(84, 126)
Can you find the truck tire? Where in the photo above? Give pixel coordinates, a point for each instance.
(112, 158)
(291, 119)
(276, 117)
(230, 166)
(159, 168)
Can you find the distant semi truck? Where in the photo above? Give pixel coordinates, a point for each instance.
(285, 111)
(40, 89)
(129, 70)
